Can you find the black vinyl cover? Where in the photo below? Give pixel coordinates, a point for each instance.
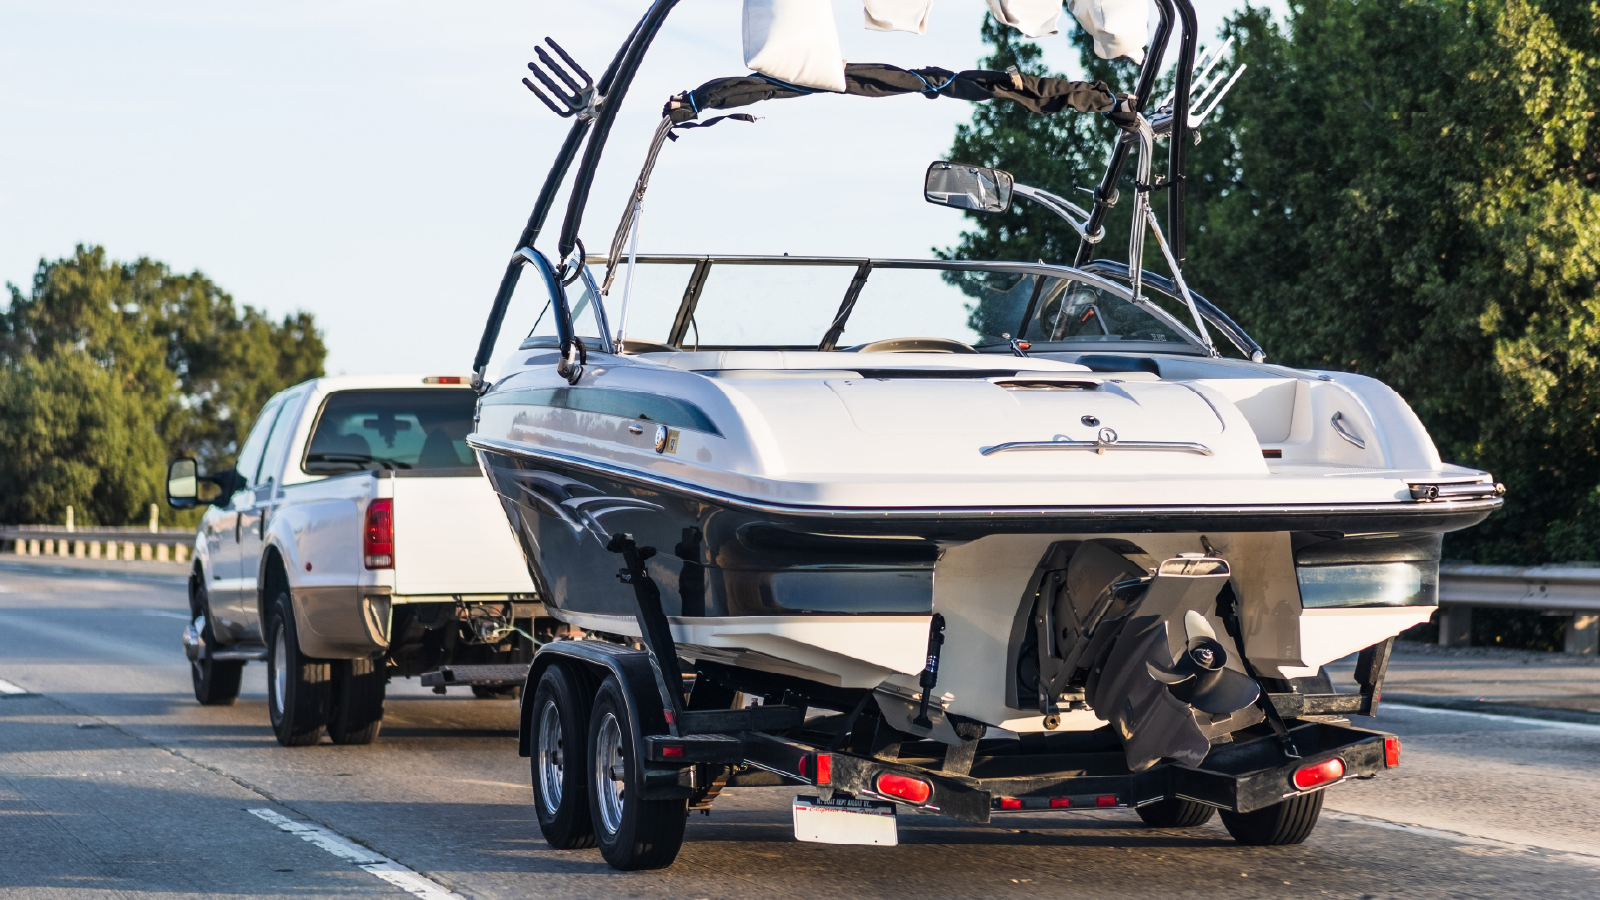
(1039, 94)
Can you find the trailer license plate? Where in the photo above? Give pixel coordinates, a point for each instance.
(845, 821)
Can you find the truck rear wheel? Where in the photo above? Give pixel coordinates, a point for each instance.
(560, 788)
(356, 713)
(297, 685)
(633, 833)
(216, 682)
(1289, 822)
(1175, 812)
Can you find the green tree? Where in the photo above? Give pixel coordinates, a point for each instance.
(173, 354)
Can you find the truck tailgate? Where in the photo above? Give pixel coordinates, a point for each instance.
(451, 537)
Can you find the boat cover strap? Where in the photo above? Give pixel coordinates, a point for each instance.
(1040, 94)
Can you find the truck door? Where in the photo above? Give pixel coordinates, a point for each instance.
(228, 583)
(256, 505)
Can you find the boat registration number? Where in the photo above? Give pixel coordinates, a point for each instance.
(845, 821)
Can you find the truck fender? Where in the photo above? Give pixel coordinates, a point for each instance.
(597, 659)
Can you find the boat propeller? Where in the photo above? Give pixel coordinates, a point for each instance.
(1199, 678)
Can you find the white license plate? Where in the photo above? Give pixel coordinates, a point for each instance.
(845, 821)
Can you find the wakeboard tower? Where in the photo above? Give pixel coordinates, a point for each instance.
(1030, 543)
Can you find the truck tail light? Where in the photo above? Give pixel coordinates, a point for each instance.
(1391, 752)
(377, 539)
(912, 790)
(1308, 777)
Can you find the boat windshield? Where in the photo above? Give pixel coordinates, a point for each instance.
(852, 304)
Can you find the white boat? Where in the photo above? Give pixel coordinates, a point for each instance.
(968, 498)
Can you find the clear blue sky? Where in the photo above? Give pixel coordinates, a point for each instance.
(373, 162)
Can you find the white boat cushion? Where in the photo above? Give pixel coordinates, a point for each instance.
(1034, 18)
(1118, 27)
(897, 15)
(795, 41)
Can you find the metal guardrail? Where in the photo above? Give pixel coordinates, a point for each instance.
(116, 543)
(1572, 591)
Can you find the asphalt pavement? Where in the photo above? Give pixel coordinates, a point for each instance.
(114, 783)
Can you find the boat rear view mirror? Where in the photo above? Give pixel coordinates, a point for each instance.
(962, 186)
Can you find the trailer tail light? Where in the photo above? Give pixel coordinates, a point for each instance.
(1010, 803)
(912, 790)
(1391, 752)
(1106, 800)
(444, 379)
(1060, 802)
(377, 539)
(671, 752)
(824, 768)
(1308, 777)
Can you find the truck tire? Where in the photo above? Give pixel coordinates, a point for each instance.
(1175, 812)
(1289, 822)
(632, 833)
(356, 712)
(216, 682)
(560, 786)
(298, 687)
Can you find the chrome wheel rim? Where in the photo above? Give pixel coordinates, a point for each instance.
(552, 757)
(609, 772)
(280, 668)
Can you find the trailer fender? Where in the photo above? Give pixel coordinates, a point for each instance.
(596, 660)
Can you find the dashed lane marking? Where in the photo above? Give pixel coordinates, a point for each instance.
(7, 687)
(1496, 717)
(370, 861)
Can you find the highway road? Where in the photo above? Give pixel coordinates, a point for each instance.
(114, 783)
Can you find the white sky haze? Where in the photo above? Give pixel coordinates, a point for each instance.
(374, 162)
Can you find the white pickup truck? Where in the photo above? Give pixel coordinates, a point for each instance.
(354, 539)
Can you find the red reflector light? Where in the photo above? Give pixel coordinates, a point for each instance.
(444, 379)
(672, 751)
(1060, 802)
(1010, 803)
(824, 768)
(912, 790)
(1391, 752)
(1106, 800)
(1308, 777)
(377, 539)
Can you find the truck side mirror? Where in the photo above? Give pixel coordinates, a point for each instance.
(183, 483)
(968, 187)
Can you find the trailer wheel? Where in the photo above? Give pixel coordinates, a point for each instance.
(560, 788)
(1175, 812)
(216, 682)
(356, 712)
(1289, 822)
(297, 685)
(633, 833)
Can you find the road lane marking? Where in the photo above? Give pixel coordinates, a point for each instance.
(1520, 720)
(1587, 859)
(7, 687)
(369, 861)
(166, 614)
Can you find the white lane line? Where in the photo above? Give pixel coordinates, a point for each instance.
(1587, 859)
(7, 687)
(1496, 717)
(376, 863)
(165, 614)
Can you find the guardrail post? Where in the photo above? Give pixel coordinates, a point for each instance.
(1455, 626)
(1583, 633)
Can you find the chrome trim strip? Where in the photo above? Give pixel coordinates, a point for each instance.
(991, 513)
(1099, 447)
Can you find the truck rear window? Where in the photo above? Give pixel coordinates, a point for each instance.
(391, 429)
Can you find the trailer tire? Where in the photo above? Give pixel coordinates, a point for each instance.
(297, 685)
(1289, 822)
(1175, 812)
(216, 682)
(560, 720)
(632, 833)
(356, 712)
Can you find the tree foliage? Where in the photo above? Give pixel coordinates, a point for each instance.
(107, 368)
(1407, 189)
